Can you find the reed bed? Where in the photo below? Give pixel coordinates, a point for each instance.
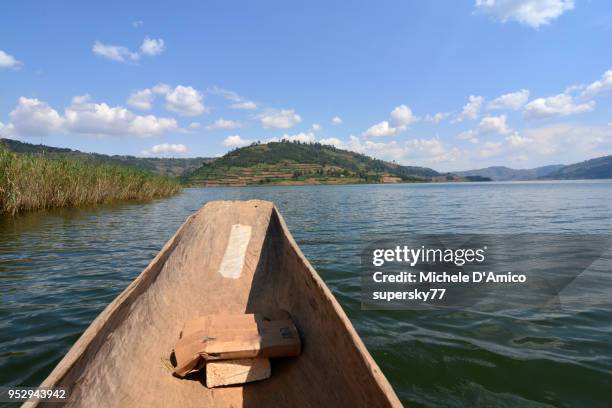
(33, 182)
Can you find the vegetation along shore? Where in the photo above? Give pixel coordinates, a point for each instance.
(34, 182)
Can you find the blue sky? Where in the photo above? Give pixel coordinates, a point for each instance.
(450, 85)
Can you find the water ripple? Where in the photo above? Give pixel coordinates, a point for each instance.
(59, 269)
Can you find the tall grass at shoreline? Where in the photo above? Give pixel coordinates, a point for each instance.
(33, 182)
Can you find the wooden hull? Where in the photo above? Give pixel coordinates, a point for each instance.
(119, 361)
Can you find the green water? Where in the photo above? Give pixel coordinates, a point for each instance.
(59, 269)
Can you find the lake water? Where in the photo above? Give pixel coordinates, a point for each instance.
(59, 269)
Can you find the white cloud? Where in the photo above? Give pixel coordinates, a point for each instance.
(437, 117)
(142, 100)
(239, 101)
(194, 125)
(315, 127)
(471, 109)
(247, 105)
(152, 46)
(490, 149)
(402, 116)
(533, 13)
(516, 140)
(282, 119)
(383, 129)
(384, 150)
(514, 100)
(430, 147)
(224, 124)
(332, 141)
(304, 137)
(137, 23)
(531, 147)
(8, 61)
(186, 101)
(99, 119)
(560, 143)
(6, 131)
(600, 87)
(161, 89)
(572, 89)
(388, 151)
(520, 158)
(469, 135)
(558, 105)
(236, 141)
(336, 120)
(114, 52)
(341, 144)
(487, 125)
(494, 124)
(225, 93)
(413, 151)
(430, 151)
(165, 148)
(32, 117)
(563, 140)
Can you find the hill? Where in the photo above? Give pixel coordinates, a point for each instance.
(164, 166)
(303, 163)
(598, 168)
(501, 173)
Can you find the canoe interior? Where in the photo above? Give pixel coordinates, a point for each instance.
(120, 359)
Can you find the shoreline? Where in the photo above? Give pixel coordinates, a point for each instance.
(401, 183)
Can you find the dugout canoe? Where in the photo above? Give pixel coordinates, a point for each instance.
(230, 257)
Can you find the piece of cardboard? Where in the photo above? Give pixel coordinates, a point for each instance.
(229, 372)
(228, 337)
(220, 322)
(279, 338)
(198, 331)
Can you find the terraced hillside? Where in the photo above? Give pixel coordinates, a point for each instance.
(300, 163)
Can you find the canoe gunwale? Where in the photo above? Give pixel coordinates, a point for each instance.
(379, 377)
(105, 318)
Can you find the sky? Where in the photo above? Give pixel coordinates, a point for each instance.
(451, 85)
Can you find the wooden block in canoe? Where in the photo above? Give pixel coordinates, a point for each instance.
(230, 372)
(229, 257)
(230, 337)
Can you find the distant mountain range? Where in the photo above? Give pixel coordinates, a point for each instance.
(501, 173)
(176, 167)
(598, 168)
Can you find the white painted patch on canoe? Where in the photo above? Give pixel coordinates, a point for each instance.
(233, 258)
